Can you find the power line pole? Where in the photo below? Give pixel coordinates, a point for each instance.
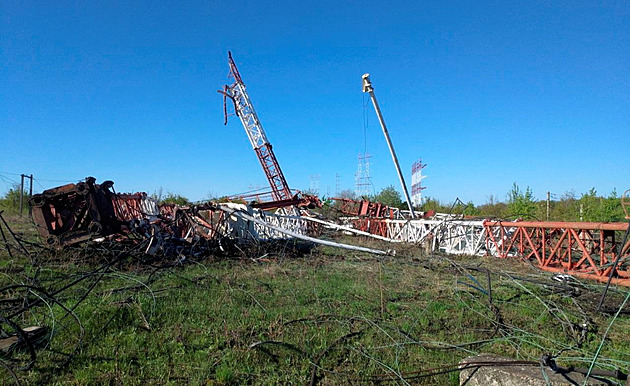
(30, 194)
(21, 193)
(30, 191)
(548, 202)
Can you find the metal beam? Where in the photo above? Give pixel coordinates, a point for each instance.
(367, 87)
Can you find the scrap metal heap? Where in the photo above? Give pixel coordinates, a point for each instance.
(75, 213)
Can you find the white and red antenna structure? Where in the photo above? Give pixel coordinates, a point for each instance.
(416, 182)
(244, 109)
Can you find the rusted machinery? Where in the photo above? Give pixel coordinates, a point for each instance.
(75, 212)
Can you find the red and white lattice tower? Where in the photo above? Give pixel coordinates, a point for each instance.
(257, 137)
(416, 182)
(363, 182)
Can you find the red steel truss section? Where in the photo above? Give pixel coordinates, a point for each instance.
(364, 208)
(276, 179)
(371, 225)
(582, 249)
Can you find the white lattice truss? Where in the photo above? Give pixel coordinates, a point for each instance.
(241, 228)
(452, 236)
(449, 236)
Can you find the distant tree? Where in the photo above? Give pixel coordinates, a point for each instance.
(521, 203)
(172, 198)
(11, 199)
(595, 208)
(347, 193)
(434, 204)
(493, 208)
(612, 209)
(470, 210)
(565, 209)
(589, 206)
(458, 207)
(390, 197)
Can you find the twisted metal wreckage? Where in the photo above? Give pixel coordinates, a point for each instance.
(77, 212)
(74, 213)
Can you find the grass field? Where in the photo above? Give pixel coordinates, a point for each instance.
(276, 316)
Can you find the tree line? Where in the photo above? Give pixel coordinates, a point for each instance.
(520, 203)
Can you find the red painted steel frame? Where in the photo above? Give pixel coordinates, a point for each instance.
(577, 248)
(364, 208)
(128, 206)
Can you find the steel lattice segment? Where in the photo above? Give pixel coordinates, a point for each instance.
(256, 135)
(577, 248)
(582, 249)
(247, 114)
(280, 188)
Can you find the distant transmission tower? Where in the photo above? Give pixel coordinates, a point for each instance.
(363, 182)
(337, 184)
(416, 182)
(314, 185)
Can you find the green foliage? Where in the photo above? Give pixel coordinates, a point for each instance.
(11, 200)
(493, 208)
(565, 209)
(389, 196)
(600, 209)
(172, 198)
(467, 209)
(521, 203)
(470, 210)
(431, 203)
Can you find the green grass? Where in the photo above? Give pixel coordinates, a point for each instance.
(334, 316)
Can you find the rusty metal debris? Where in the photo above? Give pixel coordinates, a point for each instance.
(73, 213)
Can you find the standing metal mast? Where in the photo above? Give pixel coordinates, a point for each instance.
(257, 137)
(367, 87)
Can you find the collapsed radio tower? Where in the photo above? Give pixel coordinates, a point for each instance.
(244, 109)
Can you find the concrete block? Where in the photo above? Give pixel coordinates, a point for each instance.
(517, 375)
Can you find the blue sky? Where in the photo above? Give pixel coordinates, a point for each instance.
(487, 93)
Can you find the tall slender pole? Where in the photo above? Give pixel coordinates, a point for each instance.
(548, 202)
(21, 193)
(30, 194)
(367, 87)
